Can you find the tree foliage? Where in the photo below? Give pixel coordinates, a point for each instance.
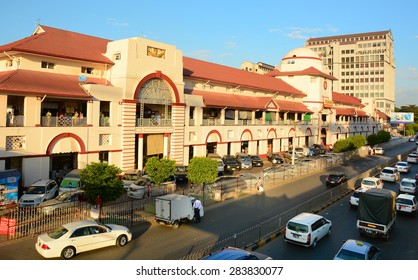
(160, 170)
(202, 170)
(349, 144)
(100, 179)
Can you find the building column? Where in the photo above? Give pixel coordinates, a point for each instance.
(3, 108)
(89, 114)
(165, 150)
(140, 148)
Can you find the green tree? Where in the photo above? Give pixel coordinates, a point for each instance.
(202, 170)
(100, 179)
(160, 170)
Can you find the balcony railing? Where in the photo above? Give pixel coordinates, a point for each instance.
(153, 122)
(63, 121)
(14, 121)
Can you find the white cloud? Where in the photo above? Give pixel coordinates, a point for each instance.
(231, 45)
(200, 54)
(115, 22)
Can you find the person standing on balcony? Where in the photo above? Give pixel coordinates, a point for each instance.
(75, 117)
(48, 118)
(81, 118)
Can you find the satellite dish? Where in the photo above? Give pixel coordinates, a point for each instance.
(82, 78)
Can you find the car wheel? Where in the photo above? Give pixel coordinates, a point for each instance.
(176, 224)
(314, 243)
(122, 240)
(329, 232)
(68, 252)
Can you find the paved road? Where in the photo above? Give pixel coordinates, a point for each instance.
(153, 241)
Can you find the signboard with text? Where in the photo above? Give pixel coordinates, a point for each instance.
(401, 118)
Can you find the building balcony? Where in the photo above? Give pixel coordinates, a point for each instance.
(63, 121)
(153, 122)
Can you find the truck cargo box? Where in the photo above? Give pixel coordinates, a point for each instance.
(377, 206)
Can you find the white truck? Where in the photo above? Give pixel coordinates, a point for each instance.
(173, 209)
(376, 212)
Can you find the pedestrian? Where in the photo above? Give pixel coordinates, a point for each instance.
(259, 184)
(197, 206)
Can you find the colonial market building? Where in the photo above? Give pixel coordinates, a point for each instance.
(70, 99)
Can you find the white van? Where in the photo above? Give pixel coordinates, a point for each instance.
(71, 181)
(307, 229)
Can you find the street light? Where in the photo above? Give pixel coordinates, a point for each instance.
(294, 142)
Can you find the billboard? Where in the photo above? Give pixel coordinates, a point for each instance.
(401, 118)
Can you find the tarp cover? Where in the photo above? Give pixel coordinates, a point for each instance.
(377, 206)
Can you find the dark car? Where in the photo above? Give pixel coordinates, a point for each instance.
(275, 158)
(320, 149)
(232, 253)
(256, 160)
(181, 173)
(231, 163)
(336, 179)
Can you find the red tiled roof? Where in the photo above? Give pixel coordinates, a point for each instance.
(311, 71)
(381, 115)
(30, 82)
(346, 99)
(199, 69)
(345, 111)
(361, 113)
(216, 99)
(63, 44)
(290, 106)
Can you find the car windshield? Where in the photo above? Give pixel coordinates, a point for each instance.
(407, 184)
(58, 232)
(180, 168)
(350, 255)
(36, 190)
(368, 183)
(334, 176)
(230, 160)
(401, 164)
(404, 201)
(63, 196)
(297, 227)
(255, 158)
(141, 182)
(246, 158)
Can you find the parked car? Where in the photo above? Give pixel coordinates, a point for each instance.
(130, 176)
(355, 197)
(304, 151)
(371, 182)
(38, 192)
(378, 150)
(335, 179)
(232, 253)
(412, 158)
(73, 238)
(407, 203)
(275, 158)
(289, 155)
(231, 163)
(181, 173)
(320, 149)
(245, 161)
(61, 202)
(403, 166)
(390, 174)
(408, 185)
(71, 181)
(221, 163)
(412, 139)
(358, 250)
(256, 160)
(144, 187)
(307, 229)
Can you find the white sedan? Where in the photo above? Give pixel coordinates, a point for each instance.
(72, 238)
(403, 166)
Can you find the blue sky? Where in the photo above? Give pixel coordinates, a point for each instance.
(230, 32)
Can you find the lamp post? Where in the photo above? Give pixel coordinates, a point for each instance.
(294, 142)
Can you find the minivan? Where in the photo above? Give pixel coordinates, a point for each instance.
(307, 229)
(71, 181)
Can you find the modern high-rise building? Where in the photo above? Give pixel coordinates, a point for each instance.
(363, 64)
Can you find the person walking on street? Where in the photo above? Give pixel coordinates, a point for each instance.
(259, 184)
(197, 205)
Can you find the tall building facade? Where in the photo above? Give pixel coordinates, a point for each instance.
(363, 64)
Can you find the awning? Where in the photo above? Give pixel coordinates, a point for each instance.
(290, 106)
